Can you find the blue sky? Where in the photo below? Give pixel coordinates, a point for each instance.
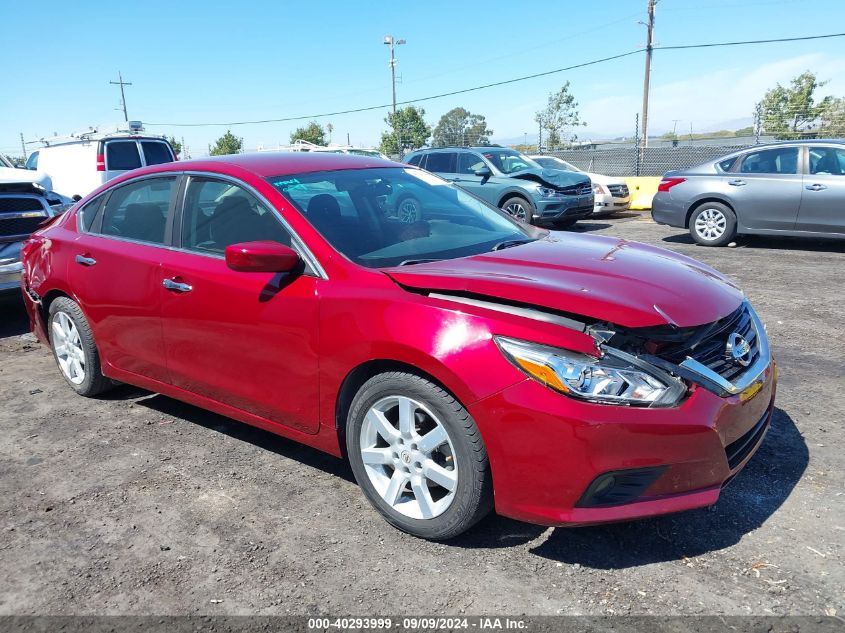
(223, 61)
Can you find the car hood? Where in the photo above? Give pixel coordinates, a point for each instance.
(551, 177)
(605, 180)
(602, 278)
(15, 176)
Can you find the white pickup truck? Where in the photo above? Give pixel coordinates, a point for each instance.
(26, 200)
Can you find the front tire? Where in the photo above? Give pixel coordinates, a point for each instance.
(713, 224)
(418, 456)
(74, 349)
(519, 208)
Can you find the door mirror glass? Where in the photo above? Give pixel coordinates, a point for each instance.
(261, 257)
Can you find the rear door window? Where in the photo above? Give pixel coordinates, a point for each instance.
(415, 160)
(771, 161)
(138, 211)
(122, 155)
(156, 152)
(441, 162)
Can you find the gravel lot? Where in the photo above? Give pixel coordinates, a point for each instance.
(139, 504)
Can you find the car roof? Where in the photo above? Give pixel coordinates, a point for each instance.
(268, 164)
(803, 141)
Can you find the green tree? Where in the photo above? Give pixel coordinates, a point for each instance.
(176, 145)
(559, 117)
(460, 127)
(745, 131)
(313, 133)
(408, 131)
(227, 144)
(833, 119)
(792, 112)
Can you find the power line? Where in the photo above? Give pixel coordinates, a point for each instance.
(497, 83)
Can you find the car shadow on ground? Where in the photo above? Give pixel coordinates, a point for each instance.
(745, 505)
(234, 429)
(13, 318)
(765, 242)
(585, 226)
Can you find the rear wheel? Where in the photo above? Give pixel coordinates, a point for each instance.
(418, 456)
(519, 208)
(74, 348)
(713, 224)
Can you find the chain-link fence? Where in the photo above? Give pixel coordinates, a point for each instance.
(650, 161)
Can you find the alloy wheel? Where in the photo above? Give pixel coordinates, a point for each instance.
(68, 347)
(409, 457)
(409, 211)
(711, 224)
(517, 210)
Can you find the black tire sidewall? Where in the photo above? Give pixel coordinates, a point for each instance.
(730, 224)
(468, 506)
(529, 208)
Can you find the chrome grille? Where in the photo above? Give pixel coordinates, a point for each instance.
(618, 191)
(577, 190)
(709, 346)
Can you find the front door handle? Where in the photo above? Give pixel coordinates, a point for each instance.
(172, 284)
(85, 261)
(815, 187)
(737, 182)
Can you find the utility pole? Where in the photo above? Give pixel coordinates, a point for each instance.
(122, 83)
(393, 43)
(647, 79)
(23, 148)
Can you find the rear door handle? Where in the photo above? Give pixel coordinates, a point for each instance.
(85, 261)
(815, 187)
(172, 284)
(736, 182)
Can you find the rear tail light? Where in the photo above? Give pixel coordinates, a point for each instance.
(101, 162)
(667, 183)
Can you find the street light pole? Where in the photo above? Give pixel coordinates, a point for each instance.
(393, 43)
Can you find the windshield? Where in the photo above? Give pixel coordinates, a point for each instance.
(394, 216)
(552, 162)
(509, 161)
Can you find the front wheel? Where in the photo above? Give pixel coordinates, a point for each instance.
(713, 224)
(418, 456)
(409, 210)
(519, 208)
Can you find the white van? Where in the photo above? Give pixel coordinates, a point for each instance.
(80, 163)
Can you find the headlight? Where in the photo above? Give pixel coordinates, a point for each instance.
(618, 378)
(548, 192)
(597, 188)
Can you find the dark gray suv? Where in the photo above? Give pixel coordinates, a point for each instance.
(794, 188)
(507, 179)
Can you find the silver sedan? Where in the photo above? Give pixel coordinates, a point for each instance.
(794, 188)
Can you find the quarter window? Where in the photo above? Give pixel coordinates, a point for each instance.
(218, 213)
(122, 155)
(771, 161)
(827, 161)
(138, 211)
(88, 213)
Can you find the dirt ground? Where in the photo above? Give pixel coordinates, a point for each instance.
(138, 504)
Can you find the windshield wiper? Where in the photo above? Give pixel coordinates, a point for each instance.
(410, 262)
(509, 243)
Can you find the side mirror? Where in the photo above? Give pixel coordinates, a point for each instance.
(484, 173)
(261, 257)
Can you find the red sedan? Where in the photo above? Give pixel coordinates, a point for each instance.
(461, 362)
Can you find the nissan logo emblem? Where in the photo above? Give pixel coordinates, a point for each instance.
(738, 349)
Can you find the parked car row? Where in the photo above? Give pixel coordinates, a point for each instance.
(793, 188)
(461, 361)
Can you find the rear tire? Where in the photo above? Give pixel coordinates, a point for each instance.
(418, 456)
(519, 208)
(713, 224)
(74, 349)
(408, 209)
